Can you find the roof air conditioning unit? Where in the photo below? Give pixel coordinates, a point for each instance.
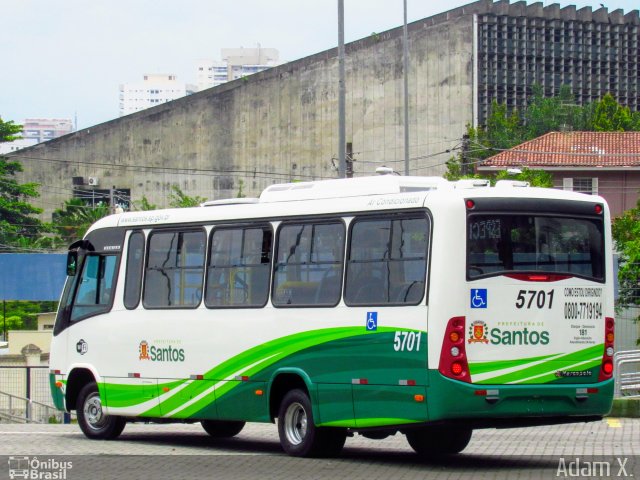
(94, 181)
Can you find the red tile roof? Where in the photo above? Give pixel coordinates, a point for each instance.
(572, 149)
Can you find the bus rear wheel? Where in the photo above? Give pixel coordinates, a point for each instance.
(93, 421)
(222, 429)
(435, 441)
(298, 433)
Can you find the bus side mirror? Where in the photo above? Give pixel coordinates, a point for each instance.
(72, 263)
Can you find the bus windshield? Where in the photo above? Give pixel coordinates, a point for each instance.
(502, 243)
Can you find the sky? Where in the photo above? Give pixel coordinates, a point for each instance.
(67, 58)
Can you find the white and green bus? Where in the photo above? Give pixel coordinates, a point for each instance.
(375, 305)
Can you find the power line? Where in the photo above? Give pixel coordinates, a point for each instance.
(182, 170)
(214, 171)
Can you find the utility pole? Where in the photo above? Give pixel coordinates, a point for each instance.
(112, 207)
(465, 168)
(349, 160)
(405, 67)
(341, 94)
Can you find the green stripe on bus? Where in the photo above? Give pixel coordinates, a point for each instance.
(125, 395)
(550, 377)
(484, 367)
(253, 361)
(549, 367)
(369, 422)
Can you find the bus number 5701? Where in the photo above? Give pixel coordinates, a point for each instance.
(407, 341)
(526, 299)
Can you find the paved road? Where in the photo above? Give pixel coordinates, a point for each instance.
(154, 452)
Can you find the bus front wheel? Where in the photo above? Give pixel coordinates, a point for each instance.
(434, 441)
(222, 429)
(298, 433)
(93, 421)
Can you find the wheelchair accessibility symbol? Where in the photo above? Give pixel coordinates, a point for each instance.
(478, 298)
(372, 321)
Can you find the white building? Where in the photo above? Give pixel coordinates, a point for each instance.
(43, 129)
(8, 147)
(236, 63)
(36, 130)
(153, 90)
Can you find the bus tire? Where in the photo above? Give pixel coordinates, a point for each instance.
(298, 433)
(222, 429)
(95, 424)
(435, 441)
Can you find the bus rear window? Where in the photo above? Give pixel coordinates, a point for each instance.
(502, 243)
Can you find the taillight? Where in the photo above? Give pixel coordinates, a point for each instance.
(536, 277)
(453, 357)
(606, 370)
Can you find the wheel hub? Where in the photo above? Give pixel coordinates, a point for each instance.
(93, 411)
(295, 423)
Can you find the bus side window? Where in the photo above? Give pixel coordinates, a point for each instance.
(308, 271)
(95, 288)
(239, 267)
(387, 261)
(174, 272)
(135, 262)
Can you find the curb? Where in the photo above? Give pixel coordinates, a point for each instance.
(625, 407)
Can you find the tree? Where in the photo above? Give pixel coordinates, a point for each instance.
(144, 204)
(240, 193)
(72, 221)
(536, 178)
(9, 131)
(21, 315)
(503, 130)
(178, 199)
(17, 221)
(610, 116)
(626, 233)
(548, 114)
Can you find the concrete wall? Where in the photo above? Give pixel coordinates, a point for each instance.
(18, 339)
(281, 124)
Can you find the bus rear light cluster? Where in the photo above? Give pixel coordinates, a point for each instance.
(453, 356)
(536, 277)
(606, 371)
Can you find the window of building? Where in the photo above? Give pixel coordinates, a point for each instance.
(239, 267)
(387, 261)
(588, 185)
(175, 267)
(308, 268)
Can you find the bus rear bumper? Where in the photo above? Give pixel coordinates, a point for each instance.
(504, 406)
